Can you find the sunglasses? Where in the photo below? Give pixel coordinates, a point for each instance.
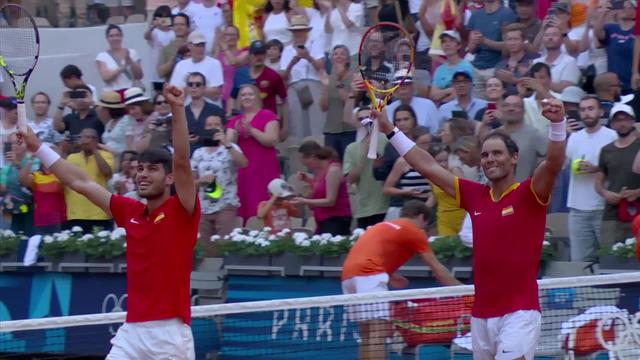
(194, 84)
(161, 102)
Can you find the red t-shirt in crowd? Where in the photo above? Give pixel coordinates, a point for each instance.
(507, 245)
(268, 82)
(159, 257)
(48, 197)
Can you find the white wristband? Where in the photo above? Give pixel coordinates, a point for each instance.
(47, 155)
(401, 143)
(558, 131)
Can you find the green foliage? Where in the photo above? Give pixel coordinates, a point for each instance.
(9, 241)
(56, 245)
(446, 247)
(104, 244)
(625, 250)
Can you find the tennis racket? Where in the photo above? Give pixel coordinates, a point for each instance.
(19, 51)
(385, 61)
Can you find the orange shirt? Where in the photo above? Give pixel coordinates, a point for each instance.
(384, 248)
(279, 216)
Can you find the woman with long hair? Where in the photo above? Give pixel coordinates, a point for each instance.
(276, 21)
(227, 52)
(256, 132)
(119, 67)
(328, 197)
(404, 118)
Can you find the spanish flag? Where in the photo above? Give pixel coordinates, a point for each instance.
(448, 12)
(247, 16)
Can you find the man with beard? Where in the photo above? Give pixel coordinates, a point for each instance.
(585, 204)
(160, 240)
(616, 182)
(506, 317)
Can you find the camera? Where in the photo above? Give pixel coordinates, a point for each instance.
(162, 120)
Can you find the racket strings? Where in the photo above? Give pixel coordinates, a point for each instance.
(18, 40)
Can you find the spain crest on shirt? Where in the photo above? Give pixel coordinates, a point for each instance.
(507, 211)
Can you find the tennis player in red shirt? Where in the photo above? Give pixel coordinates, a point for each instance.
(160, 240)
(508, 229)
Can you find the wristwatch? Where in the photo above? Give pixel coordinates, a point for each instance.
(393, 133)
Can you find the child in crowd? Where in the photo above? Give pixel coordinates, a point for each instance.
(274, 52)
(123, 181)
(276, 213)
(449, 216)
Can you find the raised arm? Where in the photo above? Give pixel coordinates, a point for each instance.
(182, 174)
(68, 174)
(544, 176)
(417, 158)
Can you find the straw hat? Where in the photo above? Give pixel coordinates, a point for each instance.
(111, 100)
(299, 22)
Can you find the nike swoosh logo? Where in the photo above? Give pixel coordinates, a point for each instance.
(476, 213)
(506, 352)
(134, 221)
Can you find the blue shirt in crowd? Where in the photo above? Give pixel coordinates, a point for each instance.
(619, 46)
(443, 76)
(490, 25)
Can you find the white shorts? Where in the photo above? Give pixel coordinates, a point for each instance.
(163, 339)
(507, 337)
(367, 284)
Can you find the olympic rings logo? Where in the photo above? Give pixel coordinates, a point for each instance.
(118, 305)
(626, 329)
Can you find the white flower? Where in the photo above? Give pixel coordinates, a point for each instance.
(199, 235)
(336, 239)
(358, 232)
(267, 229)
(9, 233)
(104, 234)
(237, 238)
(285, 231)
(326, 236)
(254, 233)
(546, 243)
(48, 239)
(305, 243)
(86, 237)
(272, 237)
(630, 241)
(236, 231)
(433, 238)
(76, 229)
(215, 237)
(63, 237)
(118, 233)
(618, 246)
(300, 236)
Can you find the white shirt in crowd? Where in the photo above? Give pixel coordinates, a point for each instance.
(342, 35)
(207, 20)
(564, 68)
(303, 69)
(276, 27)
(122, 81)
(159, 39)
(586, 146)
(426, 112)
(189, 9)
(533, 113)
(209, 67)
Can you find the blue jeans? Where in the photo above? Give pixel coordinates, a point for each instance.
(584, 233)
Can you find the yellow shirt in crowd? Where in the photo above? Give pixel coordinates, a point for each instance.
(78, 206)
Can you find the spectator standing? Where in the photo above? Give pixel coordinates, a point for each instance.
(207, 19)
(82, 115)
(216, 165)
(301, 64)
(450, 43)
(256, 132)
(564, 69)
(608, 88)
(169, 55)
(424, 109)
(276, 213)
(344, 25)
(267, 80)
(198, 111)
(616, 182)
(495, 93)
(335, 91)
(328, 199)
(518, 61)
(120, 68)
(617, 39)
(17, 200)
(160, 125)
(230, 57)
(276, 21)
(585, 205)
(49, 209)
(452, 130)
(209, 67)
(184, 6)
(71, 77)
(42, 123)
(531, 144)
(404, 118)
(99, 166)
(526, 17)
(370, 203)
(140, 109)
(485, 40)
(449, 215)
(159, 35)
(9, 120)
(536, 86)
(464, 102)
(117, 133)
(274, 53)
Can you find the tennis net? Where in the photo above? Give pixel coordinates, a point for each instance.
(580, 316)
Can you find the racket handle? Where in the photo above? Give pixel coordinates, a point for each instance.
(22, 116)
(373, 141)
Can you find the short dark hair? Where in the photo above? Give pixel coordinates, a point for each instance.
(162, 11)
(182, 15)
(275, 42)
(409, 109)
(111, 27)
(43, 94)
(537, 67)
(511, 145)
(592, 97)
(201, 75)
(134, 155)
(157, 156)
(269, 8)
(70, 71)
(414, 208)
(418, 132)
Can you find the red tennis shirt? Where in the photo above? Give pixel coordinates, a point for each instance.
(507, 245)
(159, 257)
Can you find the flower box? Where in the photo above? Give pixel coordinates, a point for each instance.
(293, 262)
(619, 263)
(328, 260)
(248, 260)
(9, 244)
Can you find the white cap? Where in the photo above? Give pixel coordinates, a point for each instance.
(618, 107)
(572, 94)
(451, 33)
(196, 37)
(402, 74)
(280, 188)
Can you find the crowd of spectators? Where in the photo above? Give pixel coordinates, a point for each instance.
(482, 66)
